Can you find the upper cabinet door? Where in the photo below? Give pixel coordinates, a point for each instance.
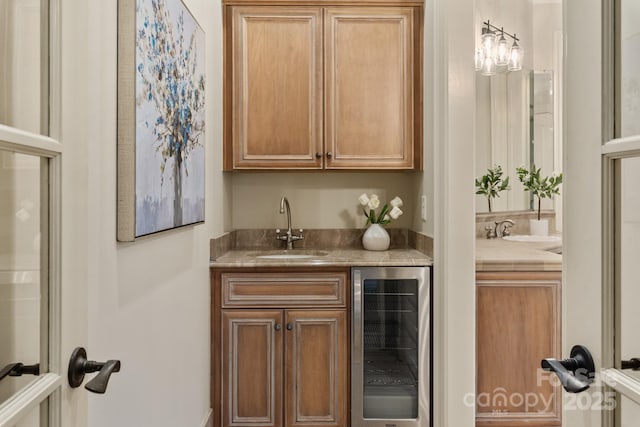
(277, 88)
(369, 79)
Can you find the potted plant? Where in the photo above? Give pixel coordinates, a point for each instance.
(542, 187)
(492, 184)
(376, 238)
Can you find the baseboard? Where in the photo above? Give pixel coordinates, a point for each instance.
(208, 419)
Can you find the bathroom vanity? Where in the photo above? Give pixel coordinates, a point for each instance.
(283, 328)
(518, 323)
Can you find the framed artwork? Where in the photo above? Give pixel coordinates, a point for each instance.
(161, 118)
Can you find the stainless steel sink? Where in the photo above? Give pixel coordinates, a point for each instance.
(292, 255)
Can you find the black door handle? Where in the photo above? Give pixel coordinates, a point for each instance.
(79, 366)
(634, 364)
(19, 369)
(576, 373)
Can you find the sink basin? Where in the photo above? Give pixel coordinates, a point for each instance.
(532, 239)
(284, 255)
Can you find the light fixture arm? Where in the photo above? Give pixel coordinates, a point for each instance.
(490, 27)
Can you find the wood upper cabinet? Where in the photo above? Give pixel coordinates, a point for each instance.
(251, 371)
(369, 87)
(316, 371)
(322, 87)
(277, 87)
(518, 324)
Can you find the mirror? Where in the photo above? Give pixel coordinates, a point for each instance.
(518, 120)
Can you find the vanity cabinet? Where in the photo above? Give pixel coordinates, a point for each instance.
(280, 347)
(518, 324)
(322, 86)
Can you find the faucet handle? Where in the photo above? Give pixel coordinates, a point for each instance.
(491, 232)
(299, 236)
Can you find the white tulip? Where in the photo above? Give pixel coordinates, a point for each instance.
(386, 218)
(363, 199)
(396, 202)
(395, 212)
(374, 202)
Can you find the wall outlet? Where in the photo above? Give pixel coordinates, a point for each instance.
(423, 208)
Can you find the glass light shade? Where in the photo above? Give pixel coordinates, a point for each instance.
(515, 58)
(479, 58)
(489, 66)
(489, 43)
(502, 52)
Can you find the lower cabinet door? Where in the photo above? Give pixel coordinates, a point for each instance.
(316, 368)
(518, 324)
(252, 367)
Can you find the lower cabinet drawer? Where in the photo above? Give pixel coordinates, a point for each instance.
(284, 290)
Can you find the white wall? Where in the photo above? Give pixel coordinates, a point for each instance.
(148, 301)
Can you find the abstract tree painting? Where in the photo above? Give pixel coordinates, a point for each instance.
(170, 117)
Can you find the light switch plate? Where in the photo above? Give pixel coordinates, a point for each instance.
(423, 204)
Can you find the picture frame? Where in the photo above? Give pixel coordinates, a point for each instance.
(161, 118)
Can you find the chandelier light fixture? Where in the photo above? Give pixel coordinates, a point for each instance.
(496, 52)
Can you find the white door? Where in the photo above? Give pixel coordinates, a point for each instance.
(602, 212)
(35, 337)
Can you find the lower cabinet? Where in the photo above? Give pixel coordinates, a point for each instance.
(518, 324)
(280, 366)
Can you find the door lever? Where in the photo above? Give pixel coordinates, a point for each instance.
(19, 369)
(634, 364)
(576, 373)
(79, 366)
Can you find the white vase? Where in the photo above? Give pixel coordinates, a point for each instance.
(376, 238)
(539, 227)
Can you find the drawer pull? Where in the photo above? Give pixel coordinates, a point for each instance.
(278, 327)
(289, 326)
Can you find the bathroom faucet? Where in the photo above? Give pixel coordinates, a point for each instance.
(499, 229)
(289, 237)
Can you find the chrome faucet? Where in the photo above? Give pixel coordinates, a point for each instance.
(289, 237)
(499, 229)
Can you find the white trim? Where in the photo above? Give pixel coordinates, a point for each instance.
(21, 141)
(207, 421)
(622, 147)
(56, 363)
(31, 396)
(622, 383)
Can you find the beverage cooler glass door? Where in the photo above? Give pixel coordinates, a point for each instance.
(391, 347)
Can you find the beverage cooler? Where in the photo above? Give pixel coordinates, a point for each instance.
(391, 347)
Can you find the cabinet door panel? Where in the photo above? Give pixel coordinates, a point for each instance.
(369, 87)
(277, 84)
(252, 368)
(518, 324)
(316, 370)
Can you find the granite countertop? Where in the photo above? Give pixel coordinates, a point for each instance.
(503, 255)
(333, 258)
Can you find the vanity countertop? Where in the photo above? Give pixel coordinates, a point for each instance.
(333, 258)
(502, 255)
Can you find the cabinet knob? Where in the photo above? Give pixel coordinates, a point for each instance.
(318, 155)
(278, 326)
(329, 154)
(289, 326)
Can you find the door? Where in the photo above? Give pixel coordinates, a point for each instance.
(316, 368)
(277, 84)
(33, 331)
(601, 227)
(252, 367)
(369, 72)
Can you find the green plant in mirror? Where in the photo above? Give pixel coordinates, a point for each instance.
(492, 184)
(543, 187)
